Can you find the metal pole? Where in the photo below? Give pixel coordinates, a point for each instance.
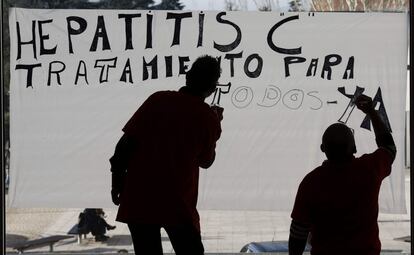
(3, 168)
(411, 125)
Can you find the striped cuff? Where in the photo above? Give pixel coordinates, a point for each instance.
(299, 230)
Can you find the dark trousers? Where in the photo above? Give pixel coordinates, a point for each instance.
(185, 239)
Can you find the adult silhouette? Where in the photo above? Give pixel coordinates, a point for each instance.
(155, 167)
(337, 203)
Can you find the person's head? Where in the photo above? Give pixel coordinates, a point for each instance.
(338, 143)
(203, 76)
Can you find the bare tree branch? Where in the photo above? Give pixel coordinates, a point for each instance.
(359, 5)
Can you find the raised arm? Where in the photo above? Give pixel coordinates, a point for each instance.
(383, 135)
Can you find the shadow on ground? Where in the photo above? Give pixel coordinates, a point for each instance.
(119, 240)
(123, 240)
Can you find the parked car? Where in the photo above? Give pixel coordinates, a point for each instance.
(270, 246)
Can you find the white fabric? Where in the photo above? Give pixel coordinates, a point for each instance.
(63, 135)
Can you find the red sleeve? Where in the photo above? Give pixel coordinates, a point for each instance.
(382, 160)
(213, 133)
(301, 209)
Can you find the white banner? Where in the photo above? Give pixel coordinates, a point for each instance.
(77, 76)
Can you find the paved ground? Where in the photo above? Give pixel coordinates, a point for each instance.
(222, 231)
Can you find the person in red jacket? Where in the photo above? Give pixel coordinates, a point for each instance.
(337, 203)
(155, 167)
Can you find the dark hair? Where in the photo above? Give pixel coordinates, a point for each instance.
(204, 74)
(338, 142)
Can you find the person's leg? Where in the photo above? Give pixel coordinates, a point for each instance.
(185, 239)
(106, 225)
(146, 238)
(98, 230)
(99, 233)
(100, 227)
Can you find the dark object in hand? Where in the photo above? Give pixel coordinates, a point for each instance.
(218, 110)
